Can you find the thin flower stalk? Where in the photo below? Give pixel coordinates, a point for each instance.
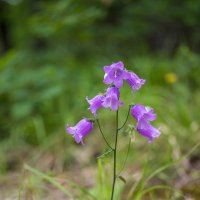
(103, 135)
(115, 158)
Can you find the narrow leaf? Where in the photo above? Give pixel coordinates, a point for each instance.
(49, 179)
(109, 151)
(122, 179)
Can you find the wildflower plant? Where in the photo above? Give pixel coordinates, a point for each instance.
(115, 76)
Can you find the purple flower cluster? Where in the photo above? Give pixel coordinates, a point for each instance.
(115, 75)
(110, 100)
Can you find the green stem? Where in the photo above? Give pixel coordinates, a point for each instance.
(129, 144)
(103, 135)
(126, 119)
(115, 158)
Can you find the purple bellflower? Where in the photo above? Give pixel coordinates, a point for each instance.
(95, 103)
(112, 99)
(146, 129)
(113, 90)
(115, 73)
(143, 115)
(139, 111)
(82, 128)
(134, 81)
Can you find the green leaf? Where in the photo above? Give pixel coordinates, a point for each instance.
(122, 179)
(160, 187)
(109, 151)
(22, 109)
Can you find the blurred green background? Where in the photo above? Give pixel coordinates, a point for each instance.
(52, 55)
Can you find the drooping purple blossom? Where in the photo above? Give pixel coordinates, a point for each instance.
(146, 129)
(80, 130)
(139, 111)
(143, 115)
(134, 81)
(113, 90)
(112, 99)
(115, 73)
(95, 103)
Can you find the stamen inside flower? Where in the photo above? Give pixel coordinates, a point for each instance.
(117, 73)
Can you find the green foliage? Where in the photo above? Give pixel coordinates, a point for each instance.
(106, 27)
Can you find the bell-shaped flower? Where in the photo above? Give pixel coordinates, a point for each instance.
(113, 90)
(95, 103)
(147, 130)
(134, 81)
(80, 130)
(112, 99)
(115, 74)
(144, 115)
(139, 111)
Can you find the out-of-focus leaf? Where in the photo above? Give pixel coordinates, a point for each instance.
(22, 109)
(109, 151)
(122, 179)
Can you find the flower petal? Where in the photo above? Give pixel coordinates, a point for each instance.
(77, 138)
(118, 83)
(82, 128)
(114, 74)
(134, 81)
(146, 129)
(107, 69)
(108, 79)
(95, 103)
(113, 91)
(118, 65)
(85, 128)
(150, 116)
(71, 130)
(107, 102)
(114, 105)
(137, 111)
